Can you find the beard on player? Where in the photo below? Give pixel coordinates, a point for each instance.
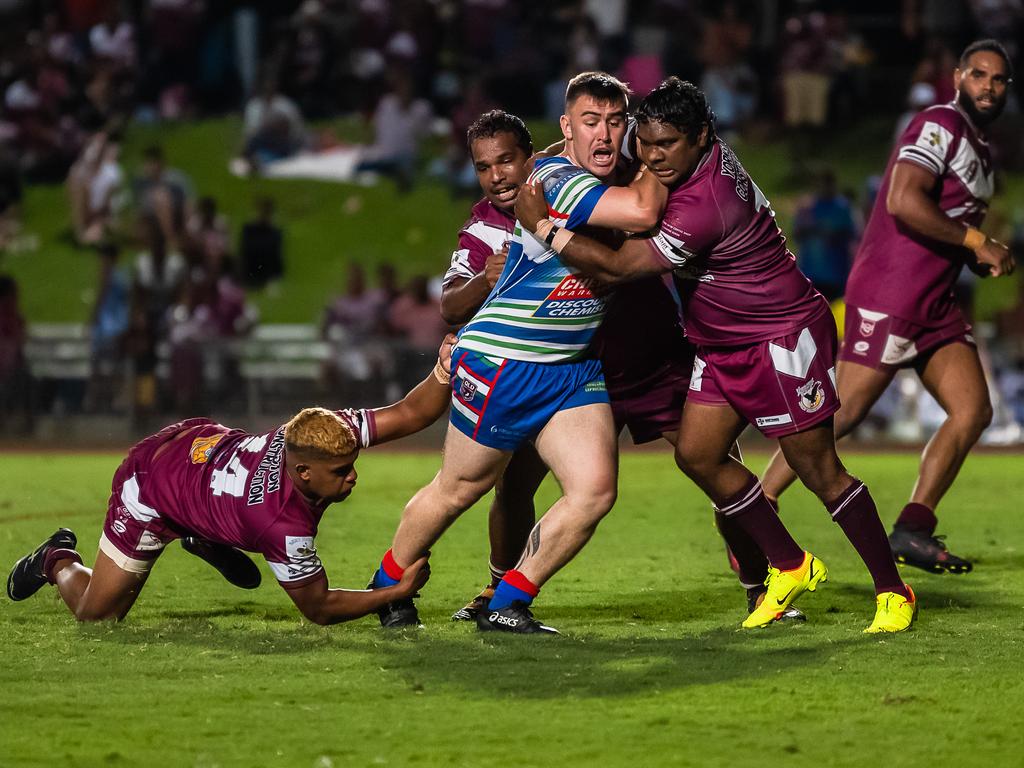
(984, 116)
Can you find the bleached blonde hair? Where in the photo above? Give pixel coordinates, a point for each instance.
(319, 433)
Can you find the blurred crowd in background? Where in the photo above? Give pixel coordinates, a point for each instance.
(172, 308)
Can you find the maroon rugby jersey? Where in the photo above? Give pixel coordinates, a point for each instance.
(898, 271)
(231, 487)
(737, 281)
(487, 230)
(641, 332)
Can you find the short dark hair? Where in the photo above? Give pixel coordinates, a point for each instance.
(679, 103)
(153, 152)
(986, 45)
(600, 86)
(500, 121)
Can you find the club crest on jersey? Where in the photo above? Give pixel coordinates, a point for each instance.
(572, 297)
(811, 396)
(202, 447)
(468, 390)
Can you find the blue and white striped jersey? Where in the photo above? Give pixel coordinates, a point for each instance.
(539, 311)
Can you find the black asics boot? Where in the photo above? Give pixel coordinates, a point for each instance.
(233, 564)
(515, 617)
(926, 552)
(27, 575)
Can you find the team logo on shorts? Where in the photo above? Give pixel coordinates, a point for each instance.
(468, 390)
(202, 447)
(811, 396)
(861, 347)
(867, 327)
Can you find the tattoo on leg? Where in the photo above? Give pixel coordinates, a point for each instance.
(531, 546)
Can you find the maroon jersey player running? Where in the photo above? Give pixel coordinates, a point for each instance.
(766, 346)
(262, 493)
(900, 307)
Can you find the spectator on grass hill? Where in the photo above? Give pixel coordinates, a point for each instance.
(94, 183)
(272, 127)
(729, 82)
(15, 379)
(825, 233)
(110, 321)
(400, 122)
(209, 237)
(415, 317)
(162, 195)
(804, 68)
(358, 313)
(354, 324)
(10, 197)
(159, 274)
(262, 247)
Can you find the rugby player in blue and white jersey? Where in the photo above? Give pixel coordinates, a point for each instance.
(522, 371)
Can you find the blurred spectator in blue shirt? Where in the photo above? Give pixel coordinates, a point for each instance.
(825, 234)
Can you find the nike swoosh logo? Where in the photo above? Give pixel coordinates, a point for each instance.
(782, 600)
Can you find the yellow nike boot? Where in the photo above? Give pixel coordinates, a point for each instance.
(894, 612)
(784, 587)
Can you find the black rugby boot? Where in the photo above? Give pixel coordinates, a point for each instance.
(515, 617)
(27, 577)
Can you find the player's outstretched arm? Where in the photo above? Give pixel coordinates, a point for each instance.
(322, 605)
(632, 260)
(636, 208)
(424, 405)
(910, 201)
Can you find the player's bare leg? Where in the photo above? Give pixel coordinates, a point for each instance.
(954, 377)
(468, 471)
(812, 453)
(859, 388)
(511, 518)
(512, 515)
(707, 434)
(579, 446)
(104, 591)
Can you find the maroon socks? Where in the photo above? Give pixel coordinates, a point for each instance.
(753, 514)
(919, 518)
(855, 512)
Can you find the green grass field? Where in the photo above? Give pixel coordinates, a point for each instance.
(651, 670)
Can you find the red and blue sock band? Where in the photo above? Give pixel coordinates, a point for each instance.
(513, 587)
(389, 573)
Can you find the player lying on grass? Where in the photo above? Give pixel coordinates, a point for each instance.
(262, 493)
(765, 345)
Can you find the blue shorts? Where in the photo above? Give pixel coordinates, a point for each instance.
(503, 403)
